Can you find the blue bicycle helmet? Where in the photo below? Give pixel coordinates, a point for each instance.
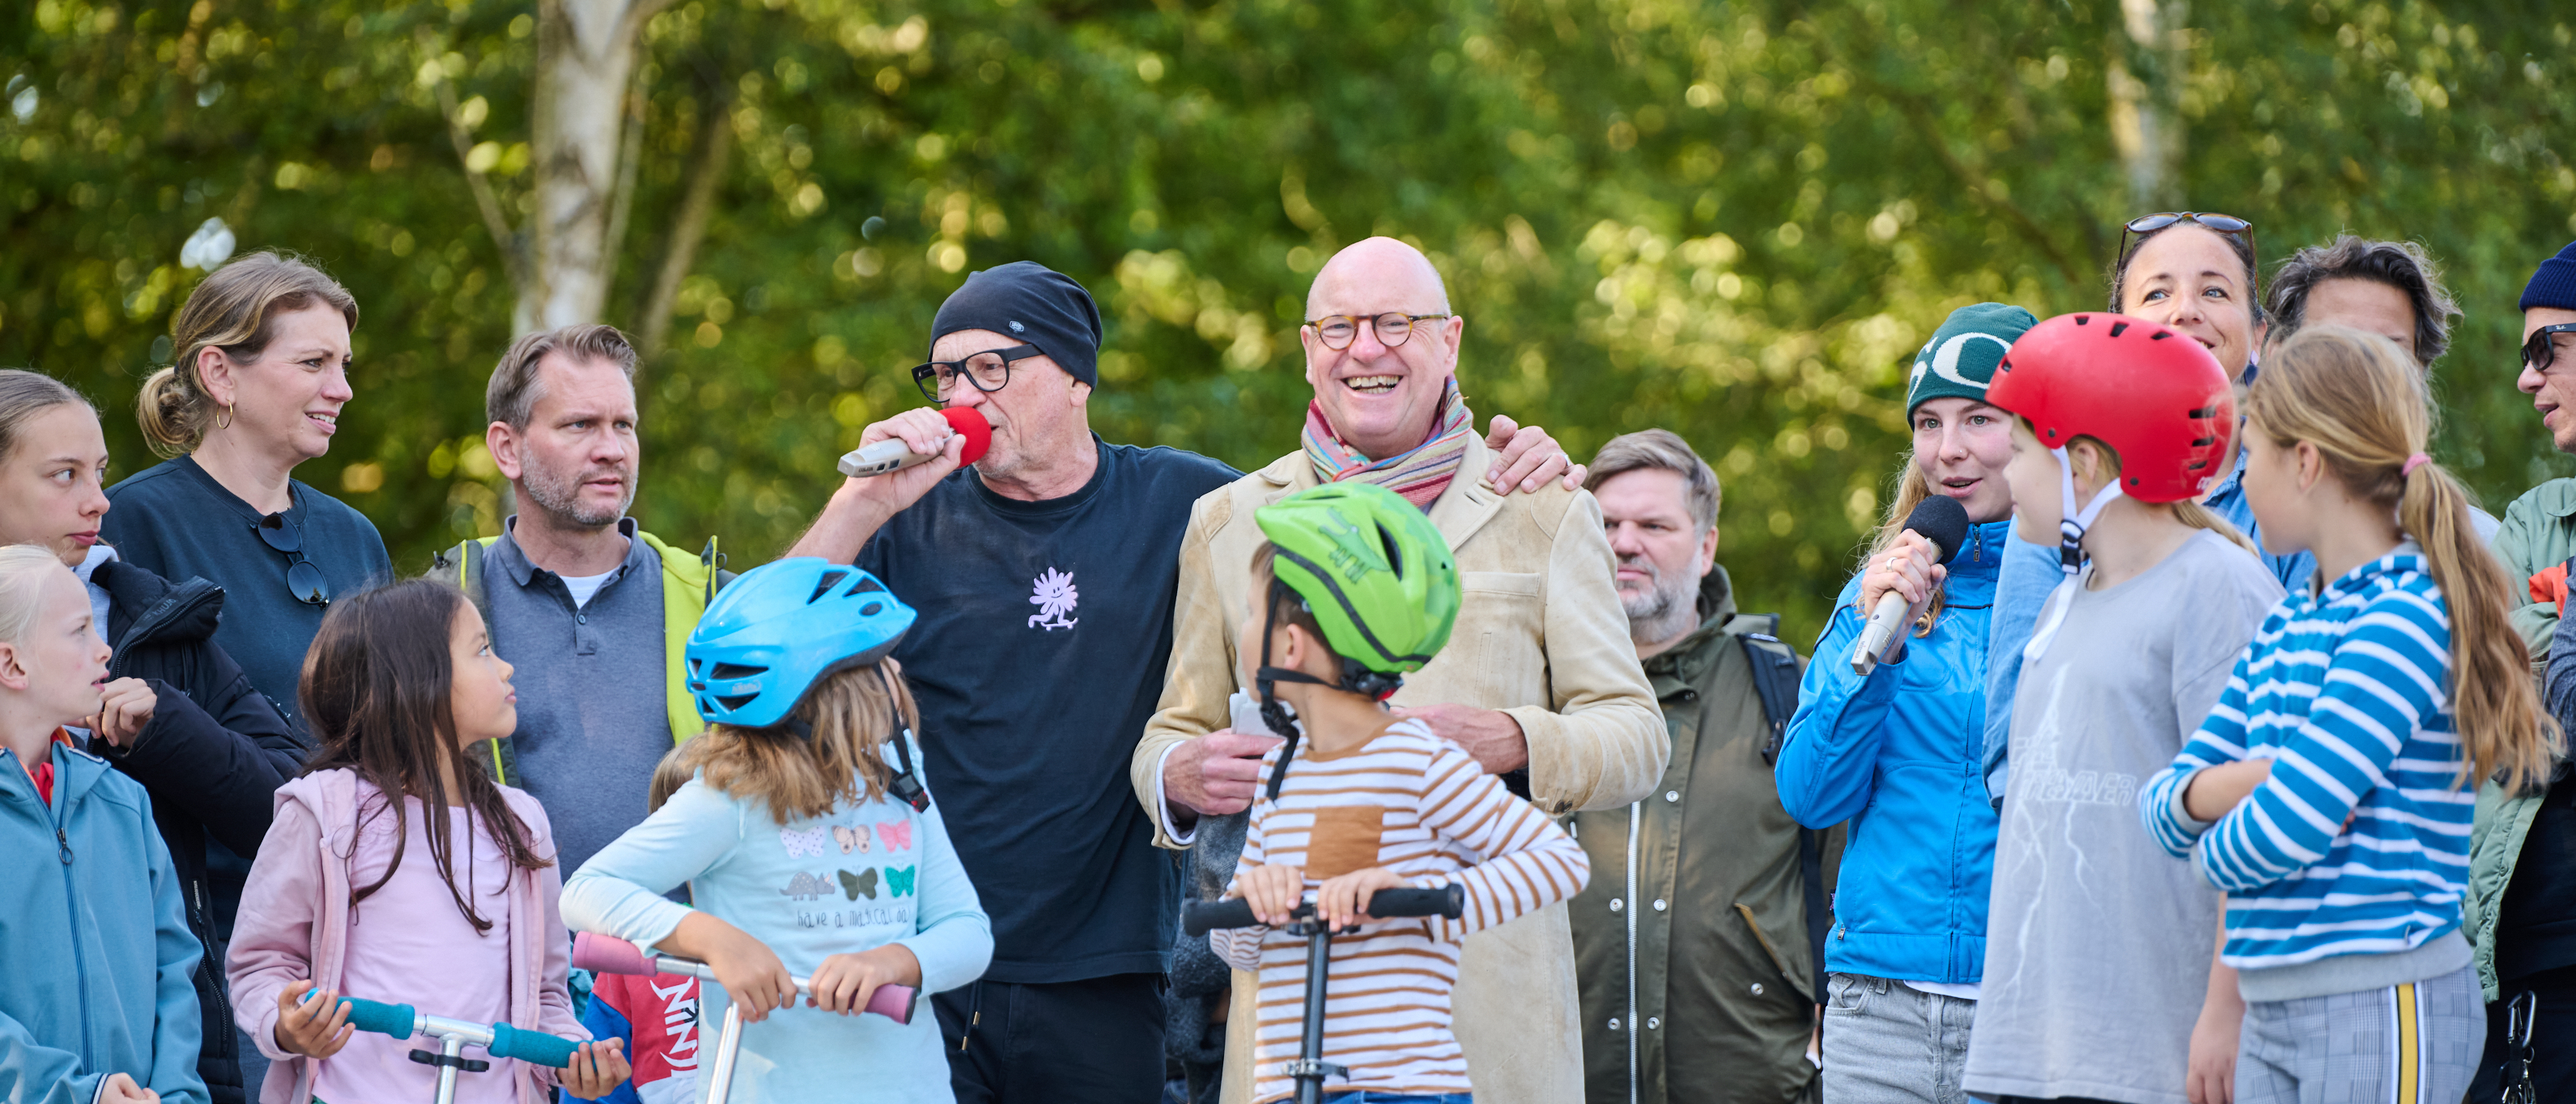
(781, 627)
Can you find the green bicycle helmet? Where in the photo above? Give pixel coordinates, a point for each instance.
(1376, 575)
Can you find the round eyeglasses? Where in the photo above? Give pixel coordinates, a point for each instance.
(1393, 327)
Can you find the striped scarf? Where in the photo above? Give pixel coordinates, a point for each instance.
(1419, 475)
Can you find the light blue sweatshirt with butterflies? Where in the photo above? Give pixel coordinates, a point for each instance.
(864, 875)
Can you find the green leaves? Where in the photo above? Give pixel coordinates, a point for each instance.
(1735, 221)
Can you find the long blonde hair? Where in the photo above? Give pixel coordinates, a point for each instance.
(22, 572)
(235, 310)
(2360, 401)
(800, 777)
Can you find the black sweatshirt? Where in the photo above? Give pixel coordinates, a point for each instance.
(1038, 657)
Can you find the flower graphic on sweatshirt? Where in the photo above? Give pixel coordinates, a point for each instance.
(1054, 598)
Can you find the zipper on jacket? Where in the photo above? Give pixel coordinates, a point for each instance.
(1636, 813)
(71, 908)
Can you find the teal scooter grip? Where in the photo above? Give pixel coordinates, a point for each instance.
(533, 1047)
(384, 1019)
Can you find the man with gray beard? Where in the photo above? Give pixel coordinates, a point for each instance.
(1697, 943)
(592, 611)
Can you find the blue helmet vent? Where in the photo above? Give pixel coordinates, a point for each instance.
(779, 628)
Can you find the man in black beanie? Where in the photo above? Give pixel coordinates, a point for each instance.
(1044, 577)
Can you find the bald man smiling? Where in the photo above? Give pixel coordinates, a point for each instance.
(1539, 681)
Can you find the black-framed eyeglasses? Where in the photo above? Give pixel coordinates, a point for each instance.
(2228, 225)
(2540, 350)
(987, 370)
(1393, 327)
(303, 579)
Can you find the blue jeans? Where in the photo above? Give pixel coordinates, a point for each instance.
(1889, 1043)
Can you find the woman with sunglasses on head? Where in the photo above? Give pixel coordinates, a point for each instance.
(2193, 272)
(261, 375)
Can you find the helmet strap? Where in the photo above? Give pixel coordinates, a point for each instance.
(906, 786)
(1265, 679)
(2074, 520)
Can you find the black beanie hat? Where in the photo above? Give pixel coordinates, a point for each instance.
(2555, 284)
(1031, 302)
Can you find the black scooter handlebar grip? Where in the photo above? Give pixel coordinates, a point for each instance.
(1202, 917)
(1447, 901)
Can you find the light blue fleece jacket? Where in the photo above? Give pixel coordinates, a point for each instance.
(95, 951)
(862, 876)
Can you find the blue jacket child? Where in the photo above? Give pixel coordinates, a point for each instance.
(1898, 752)
(96, 948)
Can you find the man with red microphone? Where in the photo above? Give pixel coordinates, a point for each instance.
(1044, 575)
(1539, 683)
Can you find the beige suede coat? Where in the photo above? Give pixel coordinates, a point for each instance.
(1540, 636)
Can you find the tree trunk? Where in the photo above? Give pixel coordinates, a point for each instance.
(2146, 116)
(586, 56)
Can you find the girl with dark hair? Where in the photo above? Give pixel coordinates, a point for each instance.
(178, 716)
(398, 871)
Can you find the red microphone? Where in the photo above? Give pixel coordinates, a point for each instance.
(892, 454)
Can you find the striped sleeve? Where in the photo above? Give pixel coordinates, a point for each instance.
(2387, 679)
(2220, 739)
(1528, 861)
(1241, 947)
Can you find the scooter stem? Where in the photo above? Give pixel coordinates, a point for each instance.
(452, 1046)
(728, 1047)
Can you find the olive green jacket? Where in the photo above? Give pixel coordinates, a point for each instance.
(2495, 845)
(2538, 532)
(1699, 894)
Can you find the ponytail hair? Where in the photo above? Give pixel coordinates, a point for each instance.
(235, 310)
(2362, 403)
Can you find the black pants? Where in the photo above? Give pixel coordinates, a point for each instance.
(1094, 1041)
(2553, 1042)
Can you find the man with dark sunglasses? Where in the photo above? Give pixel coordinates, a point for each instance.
(2522, 853)
(2539, 530)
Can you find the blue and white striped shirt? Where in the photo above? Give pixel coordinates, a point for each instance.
(2348, 692)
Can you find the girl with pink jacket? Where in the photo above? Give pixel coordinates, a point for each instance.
(398, 871)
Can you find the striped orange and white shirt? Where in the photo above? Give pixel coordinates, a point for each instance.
(1415, 804)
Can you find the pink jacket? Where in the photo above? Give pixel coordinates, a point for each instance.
(294, 925)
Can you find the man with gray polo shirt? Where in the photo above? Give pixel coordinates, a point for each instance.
(590, 609)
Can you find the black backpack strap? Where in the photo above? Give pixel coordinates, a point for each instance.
(1775, 679)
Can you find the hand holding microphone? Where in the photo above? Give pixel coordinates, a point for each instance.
(922, 444)
(1900, 581)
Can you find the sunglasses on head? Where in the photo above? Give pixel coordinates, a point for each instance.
(303, 579)
(2540, 350)
(2143, 225)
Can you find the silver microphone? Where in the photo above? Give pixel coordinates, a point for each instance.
(1943, 522)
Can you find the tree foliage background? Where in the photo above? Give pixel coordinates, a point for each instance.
(1736, 220)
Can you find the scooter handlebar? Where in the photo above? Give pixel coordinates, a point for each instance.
(533, 1047)
(1201, 917)
(396, 1020)
(607, 954)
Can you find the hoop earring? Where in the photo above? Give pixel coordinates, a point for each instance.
(224, 417)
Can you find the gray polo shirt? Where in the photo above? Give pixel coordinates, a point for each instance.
(592, 712)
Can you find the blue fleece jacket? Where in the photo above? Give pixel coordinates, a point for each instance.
(1898, 754)
(96, 947)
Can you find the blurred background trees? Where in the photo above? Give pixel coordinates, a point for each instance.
(1735, 220)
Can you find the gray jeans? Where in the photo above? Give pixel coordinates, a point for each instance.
(1886, 1043)
(2412, 1044)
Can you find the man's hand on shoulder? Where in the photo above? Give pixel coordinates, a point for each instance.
(1215, 774)
(1529, 458)
(1492, 736)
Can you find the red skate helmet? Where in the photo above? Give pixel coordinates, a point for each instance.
(2150, 392)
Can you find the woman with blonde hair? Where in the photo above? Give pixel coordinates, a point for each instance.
(2330, 793)
(1894, 751)
(257, 388)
